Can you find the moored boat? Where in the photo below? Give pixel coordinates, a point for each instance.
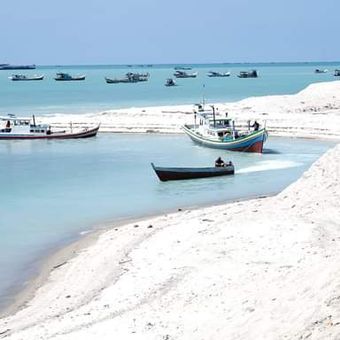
(16, 67)
(22, 77)
(130, 77)
(320, 70)
(170, 82)
(337, 73)
(13, 127)
(182, 74)
(61, 76)
(248, 74)
(172, 174)
(221, 133)
(218, 74)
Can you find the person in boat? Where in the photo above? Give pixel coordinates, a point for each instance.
(219, 162)
(8, 124)
(256, 126)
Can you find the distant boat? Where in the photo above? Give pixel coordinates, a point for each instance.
(172, 174)
(129, 78)
(218, 74)
(26, 128)
(337, 73)
(182, 74)
(67, 77)
(185, 68)
(320, 71)
(248, 74)
(170, 82)
(22, 77)
(221, 133)
(16, 67)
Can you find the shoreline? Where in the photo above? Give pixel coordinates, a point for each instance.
(275, 252)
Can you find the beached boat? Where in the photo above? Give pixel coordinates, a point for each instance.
(12, 127)
(22, 77)
(16, 67)
(61, 76)
(172, 174)
(182, 74)
(218, 74)
(170, 82)
(130, 77)
(337, 73)
(248, 74)
(221, 133)
(320, 70)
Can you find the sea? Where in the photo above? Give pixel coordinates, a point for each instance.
(55, 191)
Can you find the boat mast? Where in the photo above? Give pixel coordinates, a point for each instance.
(213, 108)
(33, 120)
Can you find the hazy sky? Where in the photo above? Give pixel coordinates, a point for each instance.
(172, 31)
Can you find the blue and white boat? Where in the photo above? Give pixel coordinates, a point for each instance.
(221, 133)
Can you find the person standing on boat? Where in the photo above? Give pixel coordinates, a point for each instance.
(256, 126)
(219, 162)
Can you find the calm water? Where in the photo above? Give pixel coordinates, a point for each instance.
(51, 191)
(93, 94)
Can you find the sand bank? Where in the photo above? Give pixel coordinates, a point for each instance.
(259, 269)
(313, 112)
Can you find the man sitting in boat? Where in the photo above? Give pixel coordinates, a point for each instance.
(219, 163)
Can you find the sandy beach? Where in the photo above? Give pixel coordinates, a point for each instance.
(259, 269)
(311, 113)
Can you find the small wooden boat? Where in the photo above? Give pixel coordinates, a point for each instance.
(320, 71)
(170, 82)
(182, 74)
(130, 77)
(173, 174)
(67, 77)
(337, 73)
(214, 74)
(248, 74)
(22, 77)
(26, 128)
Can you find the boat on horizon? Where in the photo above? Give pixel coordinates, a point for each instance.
(22, 77)
(13, 127)
(17, 67)
(320, 70)
(248, 74)
(130, 77)
(221, 133)
(182, 74)
(176, 173)
(61, 76)
(218, 74)
(184, 68)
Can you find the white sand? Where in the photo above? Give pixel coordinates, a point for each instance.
(260, 269)
(313, 112)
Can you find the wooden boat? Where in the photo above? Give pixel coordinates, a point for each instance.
(221, 133)
(17, 67)
(337, 73)
(129, 78)
(26, 128)
(248, 74)
(182, 74)
(22, 77)
(320, 70)
(218, 74)
(184, 68)
(172, 174)
(170, 82)
(67, 77)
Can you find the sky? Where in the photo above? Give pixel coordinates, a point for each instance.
(174, 31)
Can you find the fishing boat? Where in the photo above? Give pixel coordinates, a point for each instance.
(320, 70)
(185, 68)
(172, 174)
(12, 127)
(337, 73)
(22, 77)
(218, 74)
(16, 67)
(130, 77)
(61, 76)
(170, 82)
(182, 74)
(221, 133)
(248, 74)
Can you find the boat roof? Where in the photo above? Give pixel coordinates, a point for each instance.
(13, 117)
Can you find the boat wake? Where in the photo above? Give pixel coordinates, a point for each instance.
(269, 165)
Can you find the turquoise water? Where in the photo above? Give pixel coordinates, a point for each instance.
(93, 94)
(52, 191)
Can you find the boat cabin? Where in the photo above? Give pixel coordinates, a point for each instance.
(14, 125)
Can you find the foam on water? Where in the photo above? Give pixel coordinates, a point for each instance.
(269, 165)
